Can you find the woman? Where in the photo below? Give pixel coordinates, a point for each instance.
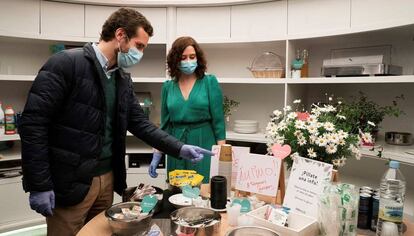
(191, 106)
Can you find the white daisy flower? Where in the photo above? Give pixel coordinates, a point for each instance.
(311, 153)
(302, 141)
(313, 129)
(342, 142)
(299, 124)
(367, 137)
(312, 139)
(287, 108)
(298, 133)
(329, 126)
(312, 119)
(321, 142)
(331, 148)
(341, 117)
(342, 134)
(292, 116)
(277, 113)
(297, 101)
(371, 123)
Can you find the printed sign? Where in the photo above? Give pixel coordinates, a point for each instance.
(307, 180)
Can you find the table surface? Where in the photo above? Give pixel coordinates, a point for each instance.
(99, 225)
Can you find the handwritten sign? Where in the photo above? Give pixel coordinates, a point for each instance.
(238, 153)
(307, 180)
(259, 174)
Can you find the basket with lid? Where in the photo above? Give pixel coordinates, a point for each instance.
(267, 65)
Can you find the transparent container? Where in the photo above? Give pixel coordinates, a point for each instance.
(267, 65)
(392, 195)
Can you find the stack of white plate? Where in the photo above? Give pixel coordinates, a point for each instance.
(246, 126)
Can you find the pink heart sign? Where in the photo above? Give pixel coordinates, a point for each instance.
(280, 151)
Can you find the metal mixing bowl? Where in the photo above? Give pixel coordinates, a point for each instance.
(127, 227)
(195, 214)
(251, 231)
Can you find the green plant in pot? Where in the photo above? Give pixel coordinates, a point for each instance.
(229, 105)
(364, 115)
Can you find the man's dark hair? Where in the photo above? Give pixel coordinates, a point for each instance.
(129, 20)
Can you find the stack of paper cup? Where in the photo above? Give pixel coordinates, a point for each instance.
(225, 164)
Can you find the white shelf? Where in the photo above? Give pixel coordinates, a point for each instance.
(133, 149)
(12, 137)
(251, 80)
(254, 138)
(392, 152)
(148, 79)
(353, 80)
(17, 77)
(11, 154)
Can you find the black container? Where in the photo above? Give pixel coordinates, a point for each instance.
(218, 192)
(375, 209)
(364, 212)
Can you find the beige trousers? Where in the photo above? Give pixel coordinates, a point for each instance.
(67, 221)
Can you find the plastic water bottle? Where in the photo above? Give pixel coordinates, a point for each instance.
(392, 194)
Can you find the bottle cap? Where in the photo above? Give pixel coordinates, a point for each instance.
(394, 164)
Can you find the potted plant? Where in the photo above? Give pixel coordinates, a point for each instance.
(229, 105)
(365, 115)
(324, 135)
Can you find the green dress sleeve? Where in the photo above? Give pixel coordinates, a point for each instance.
(165, 115)
(216, 108)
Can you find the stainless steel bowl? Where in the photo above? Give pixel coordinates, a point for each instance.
(127, 227)
(251, 231)
(195, 214)
(398, 138)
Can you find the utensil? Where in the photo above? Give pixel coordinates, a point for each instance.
(195, 221)
(126, 227)
(398, 138)
(251, 231)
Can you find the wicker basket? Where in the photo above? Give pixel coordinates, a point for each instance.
(267, 65)
(275, 73)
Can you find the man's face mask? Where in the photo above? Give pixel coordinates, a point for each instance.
(130, 58)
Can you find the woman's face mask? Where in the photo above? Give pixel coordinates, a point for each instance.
(130, 58)
(188, 67)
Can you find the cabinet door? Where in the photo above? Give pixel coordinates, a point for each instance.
(375, 14)
(307, 17)
(204, 23)
(95, 17)
(20, 16)
(265, 21)
(14, 204)
(62, 19)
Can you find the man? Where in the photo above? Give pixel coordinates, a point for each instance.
(74, 124)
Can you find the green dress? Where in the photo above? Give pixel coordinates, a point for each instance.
(199, 120)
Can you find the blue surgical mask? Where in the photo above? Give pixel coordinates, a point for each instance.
(188, 67)
(130, 58)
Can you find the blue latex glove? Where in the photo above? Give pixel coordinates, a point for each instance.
(42, 202)
(194, 153)
(156, 159)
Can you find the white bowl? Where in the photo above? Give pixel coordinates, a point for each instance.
(250, 122)
(245, 130)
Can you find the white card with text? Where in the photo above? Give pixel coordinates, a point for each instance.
(306, 182)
